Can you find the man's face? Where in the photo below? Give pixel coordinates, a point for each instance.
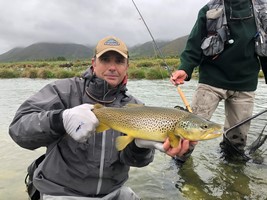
(111, 67)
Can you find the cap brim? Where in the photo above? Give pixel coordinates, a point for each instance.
(111, 49)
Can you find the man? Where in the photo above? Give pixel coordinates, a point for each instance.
(80, 164)
(230, 74)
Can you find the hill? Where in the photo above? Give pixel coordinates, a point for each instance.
(175, 47)
(167, 48)
(147, 49)
(44, 51)
(48, 51)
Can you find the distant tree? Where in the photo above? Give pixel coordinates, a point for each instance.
(61, 58)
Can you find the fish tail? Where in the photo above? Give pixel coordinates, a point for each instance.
(123, 141)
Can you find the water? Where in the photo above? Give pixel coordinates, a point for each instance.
(204, 176)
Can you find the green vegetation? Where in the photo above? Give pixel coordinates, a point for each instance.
(139, 69)
(145, 68)
(45, 69)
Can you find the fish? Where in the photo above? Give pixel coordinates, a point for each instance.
(154, 123)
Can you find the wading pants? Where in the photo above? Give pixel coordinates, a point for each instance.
(238, 106)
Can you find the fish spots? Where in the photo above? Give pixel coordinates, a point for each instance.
(156, 123)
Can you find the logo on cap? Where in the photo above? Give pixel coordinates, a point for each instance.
(112, 42)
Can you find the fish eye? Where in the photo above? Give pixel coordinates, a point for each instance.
(204, 126)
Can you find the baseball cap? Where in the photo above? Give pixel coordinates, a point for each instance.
(111, 43)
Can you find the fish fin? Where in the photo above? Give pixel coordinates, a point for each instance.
(123, 141)
(174, 140)
(101, 127)
(98, 105)
(181, 108)
(132, 105)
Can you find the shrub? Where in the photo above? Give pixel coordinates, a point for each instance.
(30, 73)
(136, 73)
(145, 63)
(45, 73)
(172, 63)
(42, 64)
(9, 73)
(64, 74)
(157, 73)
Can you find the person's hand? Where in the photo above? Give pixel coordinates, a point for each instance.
(179, 151)
(178, 77)
(80, 122)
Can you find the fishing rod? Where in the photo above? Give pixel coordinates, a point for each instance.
(186, 102)
(162, 57)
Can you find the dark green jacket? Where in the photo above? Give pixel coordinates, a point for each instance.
(237, 67)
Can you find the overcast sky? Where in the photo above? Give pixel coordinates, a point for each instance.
(23, 23)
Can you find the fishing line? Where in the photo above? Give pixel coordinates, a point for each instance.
(162, 57)
(183, 96)
(154, 42)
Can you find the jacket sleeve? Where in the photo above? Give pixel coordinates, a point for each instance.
(192, 56)
(135, 156)
(263, 62)
(38, 121)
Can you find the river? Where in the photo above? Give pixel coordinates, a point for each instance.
(204, 176)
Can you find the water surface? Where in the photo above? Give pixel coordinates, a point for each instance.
(204, 176)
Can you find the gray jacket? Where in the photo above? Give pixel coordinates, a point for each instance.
(94, 168)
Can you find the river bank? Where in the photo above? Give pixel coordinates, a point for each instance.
(146, 68)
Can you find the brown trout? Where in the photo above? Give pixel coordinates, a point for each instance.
(154, 123)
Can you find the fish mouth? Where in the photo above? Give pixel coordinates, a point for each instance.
(196, 134)
(213, 134)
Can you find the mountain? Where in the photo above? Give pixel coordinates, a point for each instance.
(147, 49)
(175, 47)
(8, 56)
(48, 51)
(167, 48)
(43, 51)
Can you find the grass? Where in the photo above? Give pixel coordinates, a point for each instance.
(45, 70)
(146, 68)
(139, 69)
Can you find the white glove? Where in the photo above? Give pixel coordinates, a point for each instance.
(149, 144)
(80, 122)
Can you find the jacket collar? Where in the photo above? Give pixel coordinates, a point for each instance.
(99, 90)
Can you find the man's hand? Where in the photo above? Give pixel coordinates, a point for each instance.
(179, 151)
(80, 122)
(178, 77)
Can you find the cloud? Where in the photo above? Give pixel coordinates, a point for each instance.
(86, 21)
